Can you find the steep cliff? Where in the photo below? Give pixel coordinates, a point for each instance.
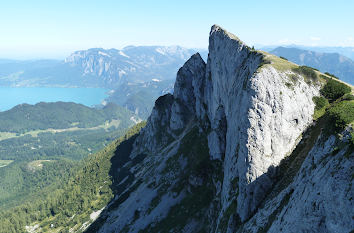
(235, 148)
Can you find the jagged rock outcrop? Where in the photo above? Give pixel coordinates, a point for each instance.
(172, 112)
(215, 151)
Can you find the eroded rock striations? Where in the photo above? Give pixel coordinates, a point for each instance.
(213, 153)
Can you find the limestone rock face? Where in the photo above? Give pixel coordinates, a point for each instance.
(156, 131)
(318, 200)
(263, 116)
(184, 88)
(172, 112)
(216, 149)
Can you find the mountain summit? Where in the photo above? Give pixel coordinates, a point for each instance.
(234, 149)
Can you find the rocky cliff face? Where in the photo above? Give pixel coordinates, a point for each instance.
(263, 116)
(319, 198)
(233, 149)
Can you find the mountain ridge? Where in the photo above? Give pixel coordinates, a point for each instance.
(223, 133)
(343, 50)
(90, 68)
(138, 63)
(334, 63)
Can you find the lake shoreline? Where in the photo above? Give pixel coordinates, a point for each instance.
(88, 96)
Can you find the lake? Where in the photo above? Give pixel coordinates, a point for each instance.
(12, 96)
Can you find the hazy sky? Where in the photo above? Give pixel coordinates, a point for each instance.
(55, 28)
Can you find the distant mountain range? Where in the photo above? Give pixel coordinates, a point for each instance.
(43, 73)
(136, 75)
(98, 67)
(334, 63)
(131, 64)
(345, 51)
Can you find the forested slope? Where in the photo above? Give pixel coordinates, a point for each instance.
(69, 202)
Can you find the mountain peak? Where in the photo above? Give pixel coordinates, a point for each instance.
(216, 29)
(188, 75)
(195, 58)
(216, 145)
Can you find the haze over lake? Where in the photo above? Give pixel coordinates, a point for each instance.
(12, 96)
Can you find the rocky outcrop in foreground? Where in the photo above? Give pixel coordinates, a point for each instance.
(235, 148)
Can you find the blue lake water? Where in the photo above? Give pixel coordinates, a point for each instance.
(12, 96)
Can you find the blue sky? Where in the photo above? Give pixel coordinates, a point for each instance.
(55, 28)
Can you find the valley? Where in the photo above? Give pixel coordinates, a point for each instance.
(44, 143)
(56, 206)
(34, 133)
